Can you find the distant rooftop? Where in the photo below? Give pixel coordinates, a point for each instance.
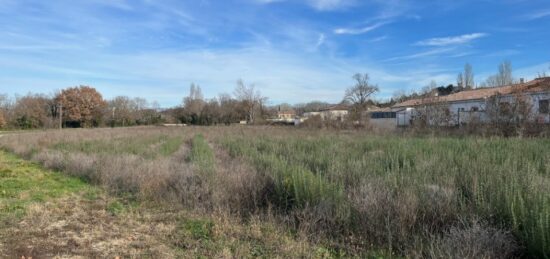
(538, 85)
(339, 107)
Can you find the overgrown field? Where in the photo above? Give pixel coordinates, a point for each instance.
(45, 214)
(345, 193)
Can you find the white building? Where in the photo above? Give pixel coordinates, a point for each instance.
(466, 106)
(337, 112)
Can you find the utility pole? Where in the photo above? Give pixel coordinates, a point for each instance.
(60, 116)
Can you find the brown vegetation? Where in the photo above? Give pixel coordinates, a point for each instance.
(2, 120)
(381, 196)
(151, 217)
(81, 105)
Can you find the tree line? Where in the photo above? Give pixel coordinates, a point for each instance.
(84, 106)
(81, 106)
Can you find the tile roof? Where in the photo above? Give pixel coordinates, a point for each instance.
(377, 109)
(537, 85)
(286, 112)
(339, 107)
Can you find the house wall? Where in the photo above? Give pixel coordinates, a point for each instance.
(283, 116)
(404, 116)
(467, 115)
(334, 115)
(543, 118)
(463, 111)
(311, 114)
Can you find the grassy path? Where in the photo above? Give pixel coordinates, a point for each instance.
(46, 214)
(23, 183)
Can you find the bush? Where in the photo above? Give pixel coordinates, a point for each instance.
(474, 240)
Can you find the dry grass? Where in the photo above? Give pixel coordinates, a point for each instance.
(77, 227)
(47, 215)
(346, 190)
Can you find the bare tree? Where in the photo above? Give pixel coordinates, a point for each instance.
(491, 81)
(228, 109)
(250, 99)
(32, 111)
(194, 103)
(2, 119)
(460, 80)
(465, 79)
(504, 76)
(5, 108)
(122, 111)
(195, 92)
(361, 92)
(510, 115)
(399, 95)
(469, 82)
(435, 114)
(428, 90)
(543, 73)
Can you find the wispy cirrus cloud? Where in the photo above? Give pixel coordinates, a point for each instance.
(356, 31)
(156, 48)
(538, 15)
(433, 52)
(378, 39)
(455, 40)
(320, 5)
(325, 5)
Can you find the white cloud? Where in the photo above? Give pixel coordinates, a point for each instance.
(538, 15)
(320, 40)
(428, 53)
(378, 39)
(326, 5)
(268, 1)
(321, 5)
(456, 40)
(118, 4)
(165, 75)
(355, 31)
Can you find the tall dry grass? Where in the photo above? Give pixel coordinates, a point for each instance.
(413, 196)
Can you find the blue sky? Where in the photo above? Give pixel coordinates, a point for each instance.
(292, 50)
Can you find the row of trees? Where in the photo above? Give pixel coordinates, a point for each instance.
(81, 106)
(84, 106)
(246, 104)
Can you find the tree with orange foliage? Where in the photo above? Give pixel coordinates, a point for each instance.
(82, 106)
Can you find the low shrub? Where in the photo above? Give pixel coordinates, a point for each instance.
(474, 239)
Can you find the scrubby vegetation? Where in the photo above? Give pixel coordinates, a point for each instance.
(349, 193)
(401, 191)
(45, 214)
